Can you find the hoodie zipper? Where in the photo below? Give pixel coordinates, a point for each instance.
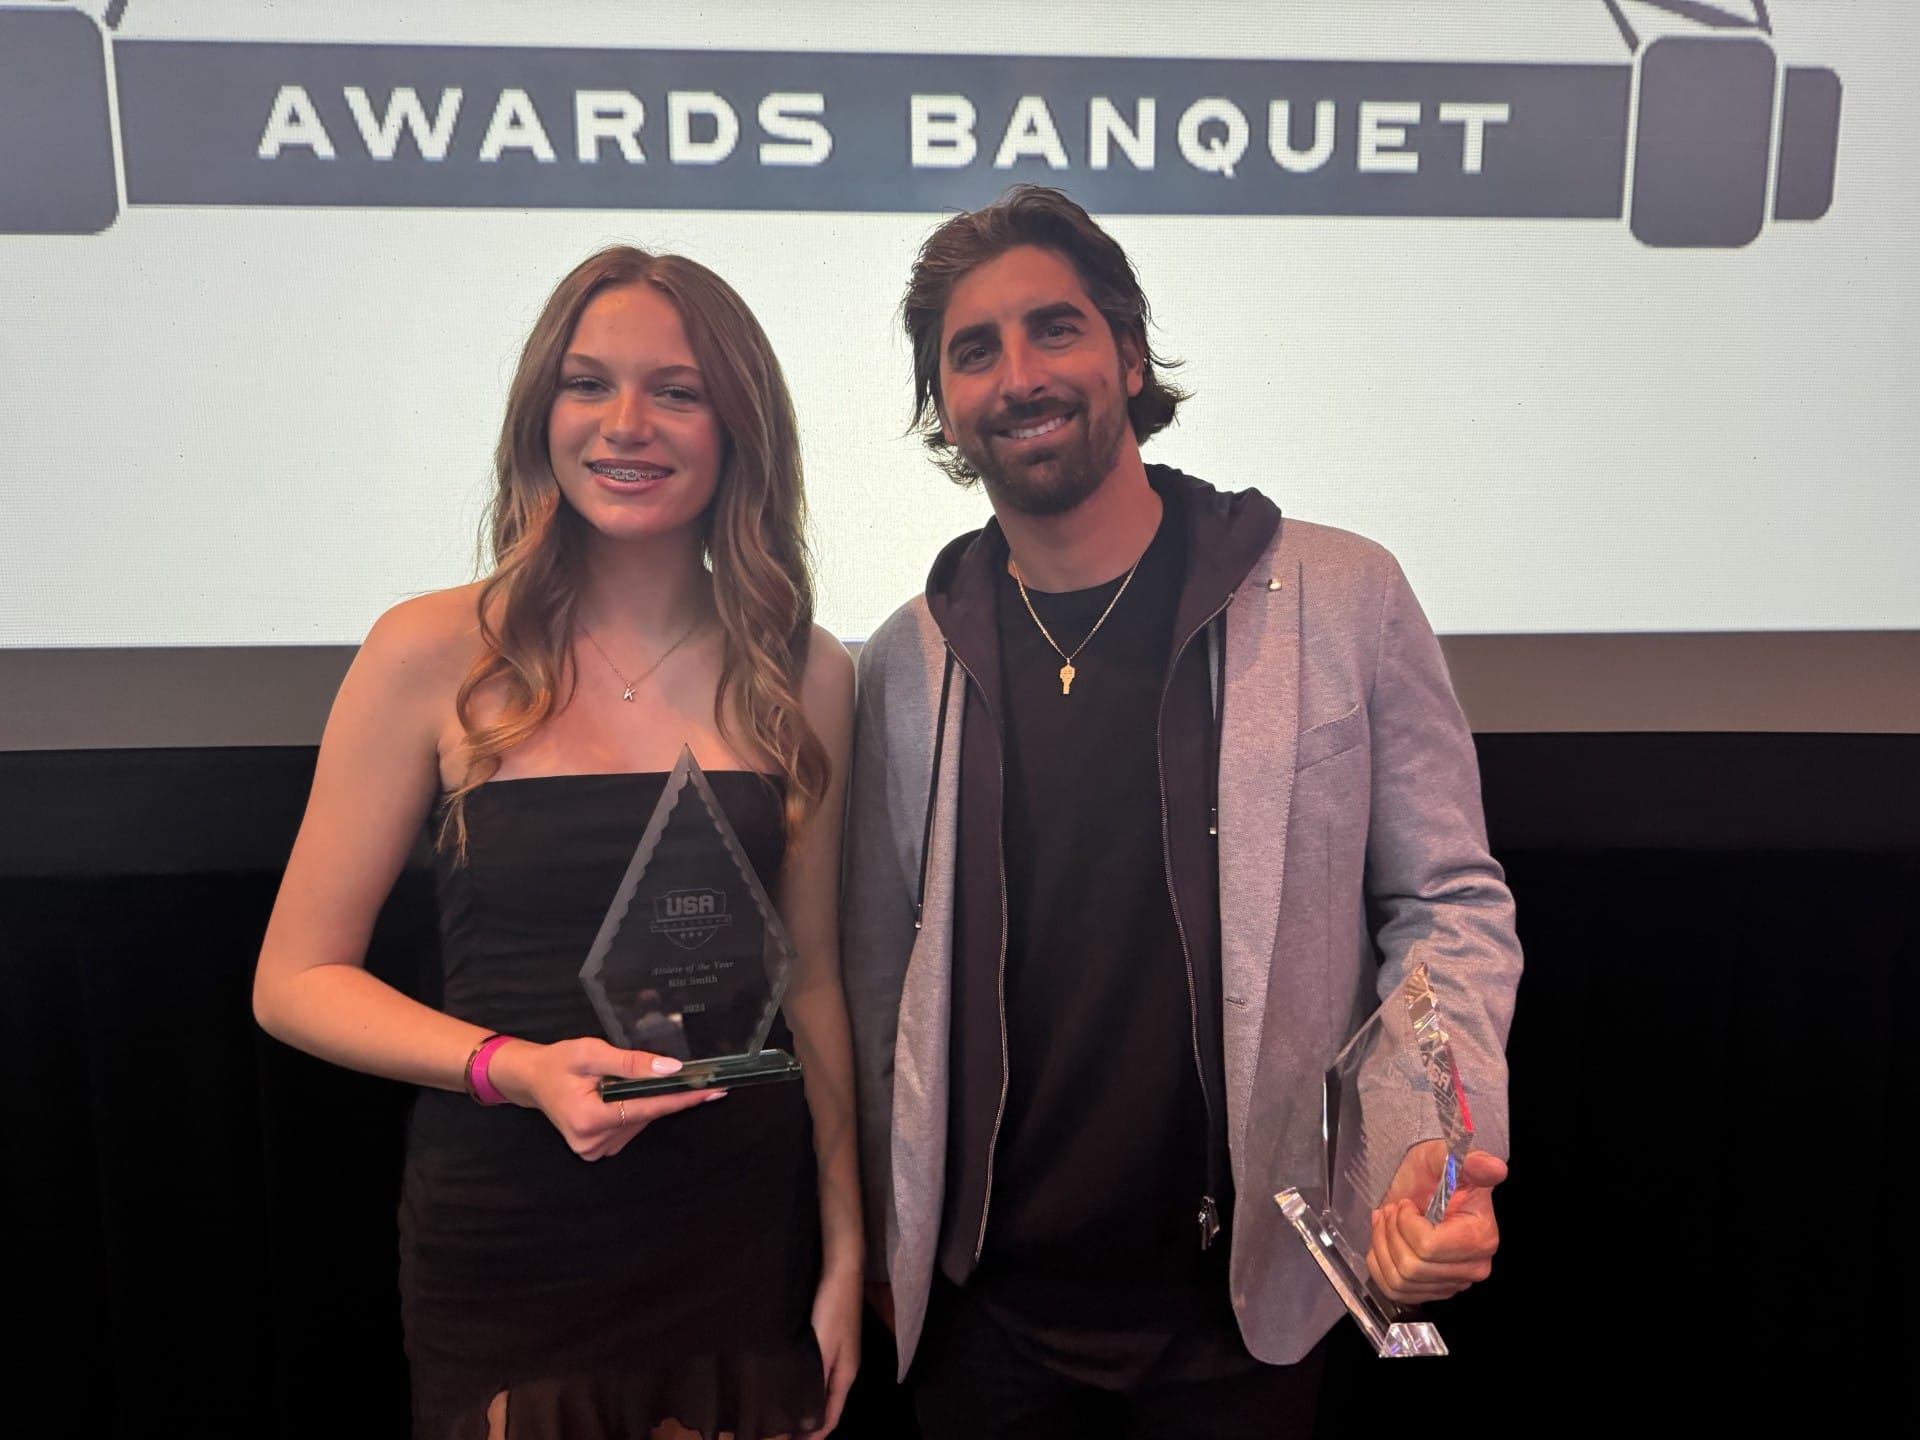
(1000, 984)
(1207, 1216)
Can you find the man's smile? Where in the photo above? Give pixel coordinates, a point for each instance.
(1034, 427)
(1041, 428)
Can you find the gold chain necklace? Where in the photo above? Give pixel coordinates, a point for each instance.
(1067, 672)
(639, 679)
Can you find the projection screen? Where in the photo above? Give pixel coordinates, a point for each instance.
(1605, 317)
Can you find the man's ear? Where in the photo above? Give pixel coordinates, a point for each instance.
(1133, 366)
(946, 428)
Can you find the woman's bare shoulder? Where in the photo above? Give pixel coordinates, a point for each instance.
(827, 658)
(826, 685)
(430, 639)
(829, 668)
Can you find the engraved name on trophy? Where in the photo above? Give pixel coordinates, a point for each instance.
(1392, 1087)
(691, 960)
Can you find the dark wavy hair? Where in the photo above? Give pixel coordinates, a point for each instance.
(1048, 220)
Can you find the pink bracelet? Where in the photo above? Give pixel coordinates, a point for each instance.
(479, 1086)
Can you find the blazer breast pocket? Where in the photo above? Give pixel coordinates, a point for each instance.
(1335, 737)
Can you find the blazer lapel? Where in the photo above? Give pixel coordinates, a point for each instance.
(1259, 740)
(921, 1045)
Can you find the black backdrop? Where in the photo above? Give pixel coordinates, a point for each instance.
(1704, 1066)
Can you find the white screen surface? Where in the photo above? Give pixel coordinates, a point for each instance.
(240, 424)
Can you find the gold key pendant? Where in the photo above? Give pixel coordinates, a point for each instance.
(1066, 678)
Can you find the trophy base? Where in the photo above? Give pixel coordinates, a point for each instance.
(1390, 1335)
(728, 1072)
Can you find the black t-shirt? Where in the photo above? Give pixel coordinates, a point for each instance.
(1101, 1159)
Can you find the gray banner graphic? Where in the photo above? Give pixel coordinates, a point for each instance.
(362, 125)
(385, 126)
(56, 149)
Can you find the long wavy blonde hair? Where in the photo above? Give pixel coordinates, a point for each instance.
(754, 543)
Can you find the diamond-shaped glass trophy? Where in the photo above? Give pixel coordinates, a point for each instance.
(1392, 1087)
(691, 960)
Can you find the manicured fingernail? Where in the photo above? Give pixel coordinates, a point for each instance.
(716, 1095)
(665, 1065)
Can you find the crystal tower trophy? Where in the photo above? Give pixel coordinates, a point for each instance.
(1393, 1087)
(691, 960)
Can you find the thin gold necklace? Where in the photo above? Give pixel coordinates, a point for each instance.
(1067, 672)
(639, 679)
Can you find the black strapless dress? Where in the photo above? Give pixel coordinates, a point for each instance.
(674, 1280)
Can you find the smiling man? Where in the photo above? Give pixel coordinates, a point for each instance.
(1153, 791)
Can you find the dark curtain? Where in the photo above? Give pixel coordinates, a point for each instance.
(1704, 1070)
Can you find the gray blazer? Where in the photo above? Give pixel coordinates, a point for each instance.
(1352, 847)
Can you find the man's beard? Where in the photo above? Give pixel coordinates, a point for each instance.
(1051, 481)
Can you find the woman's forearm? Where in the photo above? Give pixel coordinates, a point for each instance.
(817, 1016)
(342, 1014)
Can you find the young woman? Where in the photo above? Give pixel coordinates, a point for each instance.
(671, 1265)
